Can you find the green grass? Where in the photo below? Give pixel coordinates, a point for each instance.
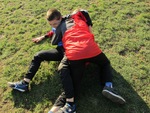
(121, 28)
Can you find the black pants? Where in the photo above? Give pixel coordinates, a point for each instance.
(71, 72)
(48, 55)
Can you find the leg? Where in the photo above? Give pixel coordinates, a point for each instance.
(104, 64)
(64, 72)
(50, 55)
(59, 103)
(71, 83)
(102, 61)
(77, 71)
(71, 73)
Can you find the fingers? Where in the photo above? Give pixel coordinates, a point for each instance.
(36, 40)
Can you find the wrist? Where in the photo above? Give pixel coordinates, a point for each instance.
(45, 36)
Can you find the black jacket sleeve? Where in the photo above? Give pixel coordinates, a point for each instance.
(60, 30)
(86, 15)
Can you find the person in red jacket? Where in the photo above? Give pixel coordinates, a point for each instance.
(80, 48)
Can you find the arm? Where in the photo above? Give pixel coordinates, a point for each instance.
(90, 28)
(89, 21)
(86, 15)
(38, 39)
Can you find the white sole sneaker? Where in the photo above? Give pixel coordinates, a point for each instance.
(113, 97)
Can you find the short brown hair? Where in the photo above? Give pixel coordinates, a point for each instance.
(53, 14)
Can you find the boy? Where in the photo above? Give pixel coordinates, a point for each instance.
(80, 47)
(47, 55)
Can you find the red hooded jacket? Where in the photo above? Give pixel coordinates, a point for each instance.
(78, 42)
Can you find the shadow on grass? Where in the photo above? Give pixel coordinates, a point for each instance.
(41, 93)
(90, 101)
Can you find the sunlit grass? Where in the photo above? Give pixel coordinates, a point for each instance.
(122, 30)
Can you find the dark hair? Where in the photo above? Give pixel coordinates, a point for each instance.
(53, 14)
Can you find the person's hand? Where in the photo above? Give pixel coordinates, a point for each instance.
(38, 39)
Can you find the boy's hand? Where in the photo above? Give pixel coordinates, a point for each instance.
(38, 39)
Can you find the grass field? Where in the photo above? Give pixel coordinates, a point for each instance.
(121, 28)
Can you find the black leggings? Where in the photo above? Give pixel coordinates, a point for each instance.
(48, 55)
(72, 71)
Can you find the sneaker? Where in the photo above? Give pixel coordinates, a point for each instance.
(109, 93)
(20, 86)
(67, 109)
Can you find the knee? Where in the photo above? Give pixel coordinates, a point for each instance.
(62, 67)
(38, 57)
(63, 70)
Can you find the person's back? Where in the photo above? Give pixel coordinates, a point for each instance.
(78, 41)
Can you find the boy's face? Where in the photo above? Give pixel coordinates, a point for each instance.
(54, 23)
